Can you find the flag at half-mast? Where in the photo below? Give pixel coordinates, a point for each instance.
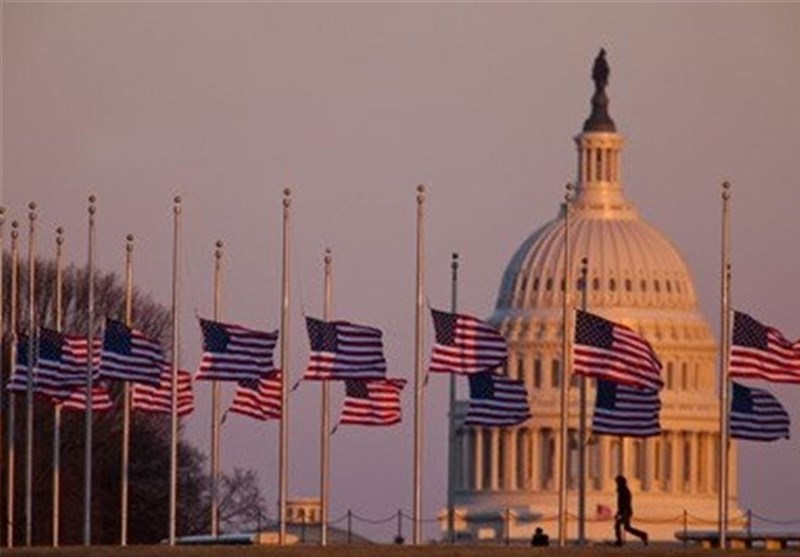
(76, 400)
(465, 344)
(343, 350)
(757, 415)
(373, 403)
(259, 399)
(60, 363)
(235, 353)
(626, 411)
(607, 350)
(496, 400)
(130, 355)
(762, 352)
(159, 399)
(62, 360)
(18, 382)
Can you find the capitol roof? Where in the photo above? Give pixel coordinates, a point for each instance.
(630, 264)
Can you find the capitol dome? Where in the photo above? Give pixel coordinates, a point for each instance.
(630, 265)
(507, 479)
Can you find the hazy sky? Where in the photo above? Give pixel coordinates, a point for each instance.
(353, 105)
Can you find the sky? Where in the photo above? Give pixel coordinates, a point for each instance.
(353, 105)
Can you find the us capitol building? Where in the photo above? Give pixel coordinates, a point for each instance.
(506, 479)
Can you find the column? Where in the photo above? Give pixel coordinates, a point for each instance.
(477, 460)
(694, 486)
(676, 479)
(495, 460)
(650, 479)
(603, 471)
(458, 459)
(513, 458)
(535, 448)
(522, 471)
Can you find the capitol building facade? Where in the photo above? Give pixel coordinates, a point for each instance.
(506, 479)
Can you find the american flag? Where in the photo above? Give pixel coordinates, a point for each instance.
(76, 400)
(626, 411)
(128, 355)
(342, 350)
(375, 403)
(60, 363)
(260, 400)
(465, 344)
(759, 351)
(614, 352)
(496, 400)
(159, 399)
(757, 415)
(18, 382)
(235, 353)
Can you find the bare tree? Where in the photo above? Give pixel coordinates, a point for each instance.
(149, 454)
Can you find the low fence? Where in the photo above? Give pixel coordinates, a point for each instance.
(353, 527)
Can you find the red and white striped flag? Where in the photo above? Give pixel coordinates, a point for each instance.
(465, 344)
(374, 403)
(344, 350)
(614, 352)
(159, 399)
(76, 400)
(235, 353)
(762, 352)
(129, 355)
(260, 400)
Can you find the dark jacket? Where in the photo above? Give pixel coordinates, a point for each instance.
(624, 506)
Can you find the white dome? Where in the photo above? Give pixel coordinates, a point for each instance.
(630, 265)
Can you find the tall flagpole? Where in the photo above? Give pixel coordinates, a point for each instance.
(418, 371)
(215, 400)
(451, 422)
(283, 457)
(2, 332)
(325, 427)
(12, 397)
(87, 478)
(126, 398)
(176, 339)
(565, 371)
(31, 365)
(582, 438)
(724, 384)
(56, 405)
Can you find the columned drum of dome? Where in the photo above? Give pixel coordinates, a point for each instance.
(507, 478)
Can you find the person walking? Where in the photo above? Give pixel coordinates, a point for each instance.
(625, 512)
